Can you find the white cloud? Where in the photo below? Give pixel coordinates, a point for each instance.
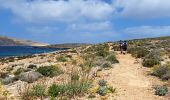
(42, 30)
(144, 8)
(75, 10)
(50, 10)
(147, 31)
(95, 26)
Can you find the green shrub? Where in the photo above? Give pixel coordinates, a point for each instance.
(3, 74)
(75, 76)
(161, 90)
(103, 53)
(70, 89)
(150, 62)
(38, 91)
(32, 66)
(50, 71)
(102, 82)
(138, 52)
(102, 90)
(166, 76)
(78, 88)
(112, 58)
(62, 59)
(91, 96)
(162, 72)
(152, 59)
(87, 65)
(102, 50)
(18, 71)
(107, 65)
(111, 89)
(55, 90)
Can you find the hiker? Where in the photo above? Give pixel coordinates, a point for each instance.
(121, 46)
(125, 47)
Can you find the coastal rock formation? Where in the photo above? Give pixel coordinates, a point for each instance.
(5, 41)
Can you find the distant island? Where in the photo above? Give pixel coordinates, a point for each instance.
(6, 41)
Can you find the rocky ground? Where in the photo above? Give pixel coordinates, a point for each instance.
(129, 78)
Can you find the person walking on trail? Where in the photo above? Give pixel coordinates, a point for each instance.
(125, 45)
(121, 46)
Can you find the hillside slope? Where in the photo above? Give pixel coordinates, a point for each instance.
(5, 41)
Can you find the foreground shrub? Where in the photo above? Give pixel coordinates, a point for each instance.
(32, 66)
(102, 50)
(102, 82)
(25, 92)
(152, 59)
(62, 59)
(112, 58)
(162, 72)
(39, 91)
(18, 71)
(70, 89)
(102, 90)
(138, 52)
(106, 65)
(161, 90)
(150, 62)
(50, 71)
(111, 89)
(78, 88)
(55, 90)
(75, 76)
(3, 74)
(103, 53)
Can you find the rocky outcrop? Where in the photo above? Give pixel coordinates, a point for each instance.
(5, 41)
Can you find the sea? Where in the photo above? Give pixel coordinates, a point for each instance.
(8, 51)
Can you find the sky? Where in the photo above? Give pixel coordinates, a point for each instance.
(84, 21)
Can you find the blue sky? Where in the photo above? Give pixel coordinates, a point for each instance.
(84, 21)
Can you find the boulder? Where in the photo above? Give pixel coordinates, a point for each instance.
(29, 77)
(8, 80)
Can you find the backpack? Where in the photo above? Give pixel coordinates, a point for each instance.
(125, 44)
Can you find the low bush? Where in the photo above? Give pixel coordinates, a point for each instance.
(50, 71)
(102, 90)
(111, 89)
(32, 66)
(55, 90)
(162, 72)
(18, 71)
(25, 92)
(39, 91)
(161, 90)
(91, 96)
(70, 89)
(75, 76)
(102, 53)
(78, 88)
(62, 59)
(106, 65)
(102, 50)
(138, 52)
(152, 59)
(112, 58)
(102, 82)
(150, 62)
(3, 74)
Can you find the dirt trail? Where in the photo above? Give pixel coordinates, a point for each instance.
(131, 80)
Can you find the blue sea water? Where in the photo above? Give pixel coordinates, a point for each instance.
(7, 51)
